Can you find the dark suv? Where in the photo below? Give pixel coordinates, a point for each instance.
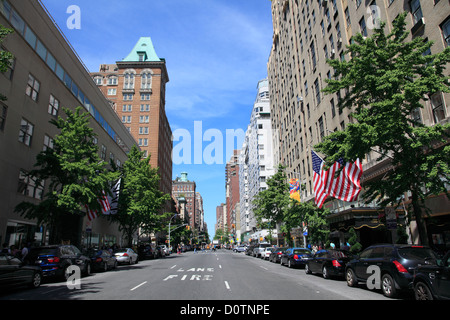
(55, 259)
(433, 281)
(388, 267)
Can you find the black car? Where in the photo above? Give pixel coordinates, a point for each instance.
(388, 267)
(293, 257)
(433, 281)
(147, 252)
(55, 259)
(328, 262)
(101, 260)
(13, 272)
(249, 250)
(275, 256)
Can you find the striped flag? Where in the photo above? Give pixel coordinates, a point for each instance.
(91, 214)
(345, 187)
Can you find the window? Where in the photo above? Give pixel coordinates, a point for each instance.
(112, 80)
(98, 80)
(3, 112)
(416, 10)
(438, 106)
(29, 187)
(313, 55)
(127, 108)
(103, 152)
(347, 17)
(143, 142)
(128, 96)
(144, 119)
(53, 106)
(48, 143)
(446, 32)
(317, 88)
(362, 26)
(146, 80)
(26, 132)
(126, 119)
(32, 88)
(145, 96)
(128, 82)
(143, 130)
(145, 107)
(112, 92)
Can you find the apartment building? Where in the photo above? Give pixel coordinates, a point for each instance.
(232, 194)
(46, 75)
(256, 161)
(305, 34)
(183, 188)
(136, 88)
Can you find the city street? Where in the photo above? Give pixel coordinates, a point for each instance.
(221, 275)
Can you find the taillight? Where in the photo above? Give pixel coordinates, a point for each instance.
(279, 253)
(399, 267)
(98, 260)
(125, 254)
(336, 263)
(295, 256)
(53, 260)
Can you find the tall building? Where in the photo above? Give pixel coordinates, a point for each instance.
(256, 162)
(46, 75)
(186, 189)
(232, 195)
(305, 34)
(136, 89)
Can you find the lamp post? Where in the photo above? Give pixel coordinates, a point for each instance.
(170, 221)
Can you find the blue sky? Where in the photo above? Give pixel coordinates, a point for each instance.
(216, 51)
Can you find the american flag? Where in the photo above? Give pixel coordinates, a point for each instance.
(345, 187)
(91, 214)
(104, 205)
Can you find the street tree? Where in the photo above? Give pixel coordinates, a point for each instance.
(270, 205)
(140, 199)
(386, 80)
(73, 175)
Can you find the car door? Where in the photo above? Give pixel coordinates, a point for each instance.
(317, 260)
(443, 278)
(361, 264)
(6, 270)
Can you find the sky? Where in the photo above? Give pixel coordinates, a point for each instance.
(216, 51)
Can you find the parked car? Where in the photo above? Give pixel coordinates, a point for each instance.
(160, 252)
(101, 260)
(328, 262)
(259, 248)
(239, 249)
(433, 281)
(13, 272)
(166, 250)
(275, 255)
(126, 255)
(396, 265)
(55, 259)
(266, 253)
(146, 252)
(293, 257)
(249, 250)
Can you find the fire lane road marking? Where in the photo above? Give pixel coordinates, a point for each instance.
(138, 285)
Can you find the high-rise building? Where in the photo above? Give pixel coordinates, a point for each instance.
(186, 189)
(136, 89)
(256, 163)
(46, 74)
(305, 34)
(232, 195)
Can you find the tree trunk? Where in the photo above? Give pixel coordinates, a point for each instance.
(421, 227)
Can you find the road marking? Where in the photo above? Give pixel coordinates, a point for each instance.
(138, 285)
(220, 266)
(263, 268)
(173, 266)
(227, 285)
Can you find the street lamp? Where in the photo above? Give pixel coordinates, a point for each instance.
(170, 222)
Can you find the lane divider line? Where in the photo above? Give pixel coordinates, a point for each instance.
(138, 285)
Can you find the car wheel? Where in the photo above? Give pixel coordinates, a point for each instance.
(290, 264)
(422, 291)
(325, 272)
(281, 261)
(105, 267)
(351, 278)
(87, 271)
(307, 270)
(388, 286)
(36, 281)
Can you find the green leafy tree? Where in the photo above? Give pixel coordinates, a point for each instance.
(271, 204)
(74, 176)
(355, 246)
(386, 80)
(140, 199)
(5, 56)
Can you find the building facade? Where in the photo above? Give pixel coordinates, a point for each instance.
(186, 189)
(46, 75)
(232, 196)
(136, 88)
(256, 161)
(306, 33)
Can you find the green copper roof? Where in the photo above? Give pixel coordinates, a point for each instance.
(143, 51)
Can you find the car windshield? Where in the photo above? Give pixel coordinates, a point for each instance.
(44, 251)
(338, 254)
(121, 250)
(417, 253)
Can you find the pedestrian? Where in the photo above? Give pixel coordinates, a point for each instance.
(179, 249)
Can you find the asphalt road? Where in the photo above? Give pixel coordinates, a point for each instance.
(222, 275)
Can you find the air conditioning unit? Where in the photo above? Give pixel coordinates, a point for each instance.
(333, 52)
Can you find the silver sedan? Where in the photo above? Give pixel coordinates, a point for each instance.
(126, 255)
